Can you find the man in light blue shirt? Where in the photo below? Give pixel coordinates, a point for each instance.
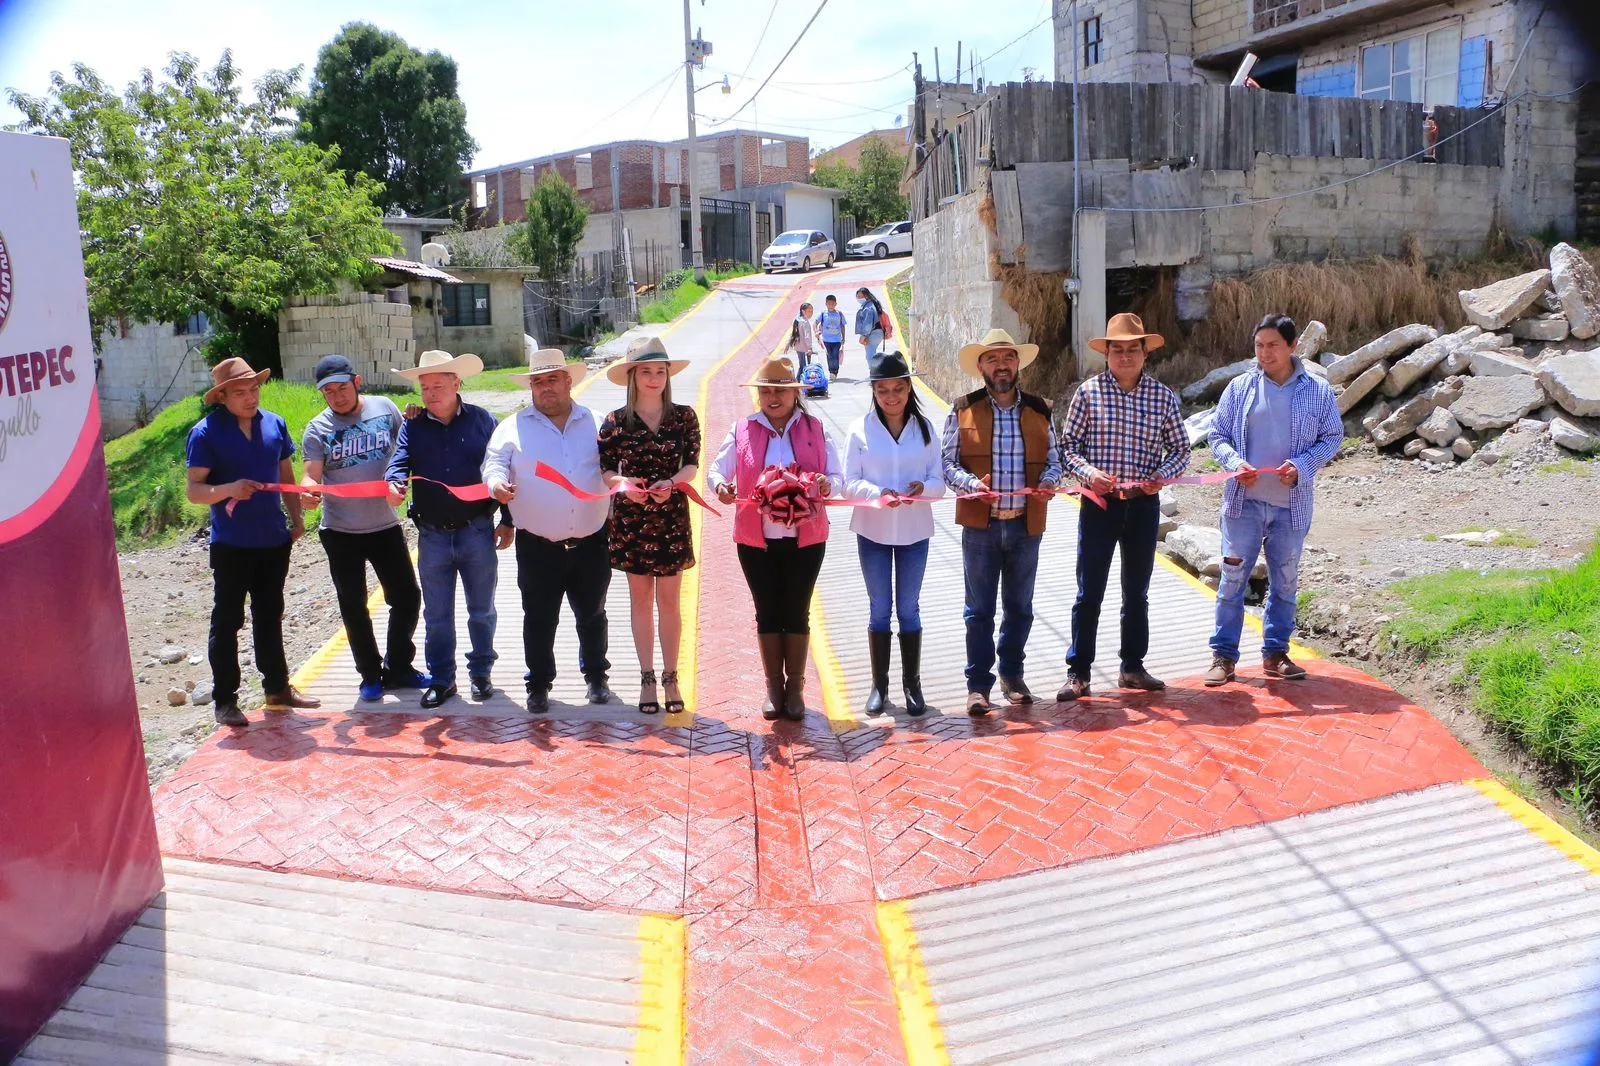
(1276, 426)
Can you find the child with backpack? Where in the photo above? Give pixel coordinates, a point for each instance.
(872, 325)
(801, 341)
(830, 331)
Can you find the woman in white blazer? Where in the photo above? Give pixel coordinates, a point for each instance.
(893, 452)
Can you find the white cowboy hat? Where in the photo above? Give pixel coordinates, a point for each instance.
(549, 360)
(994, 339)
(433, 361)
(649, 350)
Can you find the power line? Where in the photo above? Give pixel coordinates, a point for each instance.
(775, 69)
(647, 90)
(759, 40)
(1015, 40)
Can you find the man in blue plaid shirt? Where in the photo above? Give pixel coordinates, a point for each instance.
(1123, 434)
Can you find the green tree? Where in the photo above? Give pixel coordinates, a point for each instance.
(394, 114)
(192, 198)
(556, 218)
(872, 192)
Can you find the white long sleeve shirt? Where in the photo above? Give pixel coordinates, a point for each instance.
(541, 507)
(780, 452)
(875, 461)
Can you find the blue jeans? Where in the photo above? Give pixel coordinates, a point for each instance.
(894, 577)
(834, 348)
(1002, 560)
(1242, 539)
(441, 555)
(1131, 525)
(874, 343)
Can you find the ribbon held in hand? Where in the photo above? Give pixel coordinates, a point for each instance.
(557, 478)
(368, 490)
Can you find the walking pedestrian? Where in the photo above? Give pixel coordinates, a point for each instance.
(999, 440)
(830, 331)
(802, 337)
(1277, 425)
(231, 452)
(351, 440)
(649, 445)
(892, 455)
(445, 445)
(1123, 433)
(869, 324)
(780, 559)
(560, 539)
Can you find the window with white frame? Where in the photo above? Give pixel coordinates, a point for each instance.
(1423, 68)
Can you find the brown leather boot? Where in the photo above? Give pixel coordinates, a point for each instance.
(1278, 664)
(772, 666)
(795, 648)
(290, 698)
(1221, 671)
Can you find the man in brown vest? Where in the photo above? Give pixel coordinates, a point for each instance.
(999, 439)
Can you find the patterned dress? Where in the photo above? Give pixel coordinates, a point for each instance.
(650, 538)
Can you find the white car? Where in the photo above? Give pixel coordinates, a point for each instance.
(891, 238)
(801, 249)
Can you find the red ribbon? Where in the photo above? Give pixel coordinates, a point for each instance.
(556, 477)
(369, 490)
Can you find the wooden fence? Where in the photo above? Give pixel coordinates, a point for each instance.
(957, 163)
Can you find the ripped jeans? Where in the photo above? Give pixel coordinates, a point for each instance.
(1242, 539)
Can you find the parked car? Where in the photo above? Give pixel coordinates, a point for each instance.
(891, 238)
(799, 248)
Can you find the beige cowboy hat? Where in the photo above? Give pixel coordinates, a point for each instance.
(775, 374)
(995, 339)
(1126, 327)
(433, 361)
(649, 350)
(234, 369)
(547, 361)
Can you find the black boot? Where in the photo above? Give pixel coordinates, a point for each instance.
(795, 648)
(911, 672)
(878, 649)
(772, 666)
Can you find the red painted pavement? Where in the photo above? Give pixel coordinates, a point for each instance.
(775, 838)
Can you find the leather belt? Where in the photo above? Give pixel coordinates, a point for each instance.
(1007, 515)
(445, 527)
(568, 544)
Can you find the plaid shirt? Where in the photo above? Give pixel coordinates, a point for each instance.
(1315, 433)
(1008, 458)
(1130, 436)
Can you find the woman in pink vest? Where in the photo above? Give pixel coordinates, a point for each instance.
(780, 560)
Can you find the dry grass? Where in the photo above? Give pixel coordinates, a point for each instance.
(1041, 301)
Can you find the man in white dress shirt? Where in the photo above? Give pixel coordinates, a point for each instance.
(561, 540)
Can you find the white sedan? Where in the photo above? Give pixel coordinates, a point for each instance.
(801, 249)
(891, 238)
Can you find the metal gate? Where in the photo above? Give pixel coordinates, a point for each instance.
(763, 230)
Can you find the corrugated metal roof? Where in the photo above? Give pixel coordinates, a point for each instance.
(416, 270)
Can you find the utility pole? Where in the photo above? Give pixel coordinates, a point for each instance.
(694, 53)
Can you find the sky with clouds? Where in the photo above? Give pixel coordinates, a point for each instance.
(544, 76)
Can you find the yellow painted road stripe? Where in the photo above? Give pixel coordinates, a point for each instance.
(919, 1018)
(663, 946)
(1540, 824)
(313, 667)
(830, 672)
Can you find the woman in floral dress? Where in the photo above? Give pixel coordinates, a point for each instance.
(646, 447)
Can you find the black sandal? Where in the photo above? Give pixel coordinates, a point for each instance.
(670, 677)
(647, 677)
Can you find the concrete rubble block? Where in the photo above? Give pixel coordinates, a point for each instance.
(1327, 359)
(1437, 456)
(1577, 288)
(1413, 447)
(1500, 363)
(1494, 307)
(1573, 382)
(1169, 501)
(1579, 435)
(1440, 428)
(1463, 448)
(1547, 328)
(1315, 369)
(1198, 425)
(1211, 386)
(1309, 344)
(1483, 536)
(1362, 387)
(1200, 549)
(1411, 369)
(1394, 343)
(1374, 415)
(1495, 403)
(1164, 527)
(1409, 415)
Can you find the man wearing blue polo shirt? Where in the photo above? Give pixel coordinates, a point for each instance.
(232, 452)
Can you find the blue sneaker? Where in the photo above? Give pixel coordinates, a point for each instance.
(371, 691)
(407, 679)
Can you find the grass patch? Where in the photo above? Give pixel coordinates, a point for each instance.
(1207, 465)
(738, 270)
(900, 300)
(1431, 538)
(1305, 598)
(1515, 538)
(1528, 643)
(1569, 465)
(674, 303)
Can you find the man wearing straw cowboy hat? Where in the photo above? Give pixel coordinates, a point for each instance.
(1123, 433)
(445, 445)
(999, 440)
(232, 452)
(561, 540)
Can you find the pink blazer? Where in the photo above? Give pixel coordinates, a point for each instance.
(750, 446)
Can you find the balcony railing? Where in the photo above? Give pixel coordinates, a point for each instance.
(1268, 15)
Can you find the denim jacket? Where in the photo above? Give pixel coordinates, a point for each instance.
(1315, 436)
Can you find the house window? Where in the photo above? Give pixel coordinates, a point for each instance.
(465, 305)
(1091, 41)
(196, 325)
(584, 167)
(1423, 68)
(774, 153)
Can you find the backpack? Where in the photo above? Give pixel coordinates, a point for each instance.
(886, 324)
(815, 378)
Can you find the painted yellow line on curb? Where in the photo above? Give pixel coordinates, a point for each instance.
(919, 1018)
(1540, 824)
(313, 667)
(830, 672)
(663, 948)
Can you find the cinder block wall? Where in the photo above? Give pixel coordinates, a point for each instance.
(372, 333)
(152, 367)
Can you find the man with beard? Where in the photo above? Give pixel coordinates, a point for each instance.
(999, 440)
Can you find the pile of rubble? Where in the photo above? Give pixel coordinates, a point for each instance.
(1526, 366)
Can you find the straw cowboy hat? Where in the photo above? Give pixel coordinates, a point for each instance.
(547, 361)
(649, 350)
(1127, 328)
(995, 339)
(234, 369)
(775, 374)
(434, 361)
